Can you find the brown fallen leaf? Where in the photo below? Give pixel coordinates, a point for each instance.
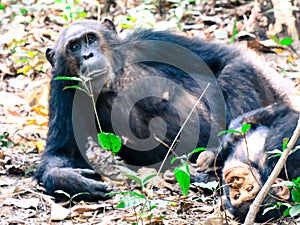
(22, 203)
(40, 145)
(58, 212)
(83, 207)
(40, 109)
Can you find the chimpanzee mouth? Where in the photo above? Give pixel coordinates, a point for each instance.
(97, 72)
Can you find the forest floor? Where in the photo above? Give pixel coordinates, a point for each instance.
(27, 28)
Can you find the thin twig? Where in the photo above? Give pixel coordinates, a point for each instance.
(220, 185)
(94, 105)
(179, 132)
(249, 161)
(254, 208)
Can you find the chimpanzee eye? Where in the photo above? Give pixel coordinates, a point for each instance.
(250, 188)
(236, 197)
(90, 39)
(74, 46)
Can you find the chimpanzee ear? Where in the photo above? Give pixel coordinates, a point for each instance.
(50, 55)
(282, 192)
(109, 25)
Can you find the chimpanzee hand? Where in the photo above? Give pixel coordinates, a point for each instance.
(74, 181)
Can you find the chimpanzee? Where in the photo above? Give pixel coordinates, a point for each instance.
(270, 126)
(146, 85)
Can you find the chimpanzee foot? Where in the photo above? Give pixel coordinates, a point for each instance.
(205, 160)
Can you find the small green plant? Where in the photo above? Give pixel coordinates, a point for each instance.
(107, 141)
(182, 171)
(141, 180)
(141, 205)
(282, 42)
(234, 33)
(4, 142)
(69, 197)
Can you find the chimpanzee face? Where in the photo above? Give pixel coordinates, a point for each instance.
(84, 48)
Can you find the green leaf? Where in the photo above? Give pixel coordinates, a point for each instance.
(75, 87)
(174, 159)
(295, 195)
(81, 193)
(68, 78)
(63, 192)
(284, 183)
(182, 174)
(145, 214)
(135, 178)
(23, 11)
(294, 8)
(127, 170)
(286, 41)
(104, 141)
(198, 149)
(275, 39)
(245, 128)
(297, 181)
(146, 179)
(270, 10)
(70, 87)
(131, 193)
(110, 142)
(295, 210)
(128, 202)
(2, 7)
(32, 54)
(130, 199)
(229, 131)
(286, 212)
(274, 153)
(121, 205)
(267, 209)
(179, 12)
(195, 151)
(132, 175)
(234, 33)
(284, 144)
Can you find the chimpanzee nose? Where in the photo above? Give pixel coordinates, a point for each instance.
(88, 56)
